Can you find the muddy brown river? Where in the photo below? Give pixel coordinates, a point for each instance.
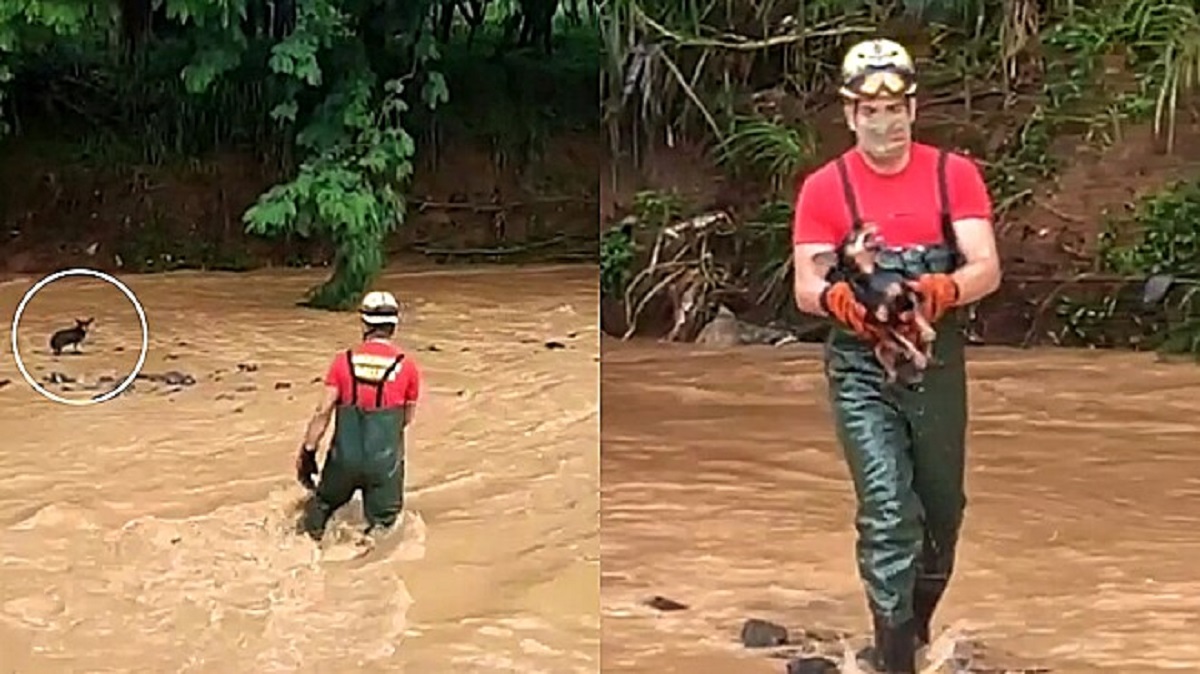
(724, 489)
(154, 533)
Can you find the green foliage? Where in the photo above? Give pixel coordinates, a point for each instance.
(515, 100)
(1158, 42)
(343, 88)
(1167, 242)
(1022, 164)
(616, 261)
(619, 246)
(776, 149)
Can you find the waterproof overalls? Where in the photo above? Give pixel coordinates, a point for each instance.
(905, 445)
(367, 453)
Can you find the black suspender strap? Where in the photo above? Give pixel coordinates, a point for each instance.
(856, 222)
(948, 235)
(383, 380)
(355, 381)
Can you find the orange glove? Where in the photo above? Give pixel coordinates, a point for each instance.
(839, 302)
(939, 294)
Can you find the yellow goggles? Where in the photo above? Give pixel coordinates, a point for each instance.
(881, 83)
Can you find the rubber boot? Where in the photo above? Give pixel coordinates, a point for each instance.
(925, 601)
(895, 649)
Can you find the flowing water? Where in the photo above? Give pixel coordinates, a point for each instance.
(154, 533)
(724, 490)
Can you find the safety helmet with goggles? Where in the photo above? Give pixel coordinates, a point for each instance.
(878, 68)
(379, 307)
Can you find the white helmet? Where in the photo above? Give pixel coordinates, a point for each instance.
(380, 307)
(876, 67)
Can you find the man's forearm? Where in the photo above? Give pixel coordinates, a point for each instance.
(316, 430)
(807, 293)
(976, 280)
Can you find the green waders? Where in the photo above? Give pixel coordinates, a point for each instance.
(367, 453)
(905, 448)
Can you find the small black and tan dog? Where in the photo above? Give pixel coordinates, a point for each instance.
(893, 307)
(70, 336)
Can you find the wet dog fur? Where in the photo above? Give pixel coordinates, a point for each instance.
(906, 348)
(70, 336)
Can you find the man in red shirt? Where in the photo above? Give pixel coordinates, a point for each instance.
(373, 390)
(904, 445)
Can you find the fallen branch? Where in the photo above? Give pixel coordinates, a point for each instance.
(490, 207)
(1081, 278)
(1055, 211)
(1057, 291)
(692, 260)
(739, 43)
(507, 250)
(1004, 206)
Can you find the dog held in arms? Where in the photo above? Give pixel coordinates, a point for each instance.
(905, 343)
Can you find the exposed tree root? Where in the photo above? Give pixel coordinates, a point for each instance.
(682, 266)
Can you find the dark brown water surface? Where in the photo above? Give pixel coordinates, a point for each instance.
(151, 534)
(723, 488)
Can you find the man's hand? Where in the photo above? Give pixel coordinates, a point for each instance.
(838, 300)
(306, 468)
(939, 294)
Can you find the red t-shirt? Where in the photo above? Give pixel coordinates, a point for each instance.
(905, 207)
(371, 359)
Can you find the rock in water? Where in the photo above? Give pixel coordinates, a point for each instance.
(763, 634)
(722, 330)
(664, 604)
(812, 666)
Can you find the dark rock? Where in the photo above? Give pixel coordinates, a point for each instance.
(664, 604)
(811, 665)
(247, 367)
(169, 378)
(282, 385)
(763, 634)
(5, 382)
(58, 378)
(433, 347)
(171, 356)
(176, 378)
(555, 345)
(246, 388)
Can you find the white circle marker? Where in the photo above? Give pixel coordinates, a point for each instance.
(141, 318)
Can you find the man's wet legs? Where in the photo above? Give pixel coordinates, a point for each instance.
(334, 490)
(939, 462)
(383, 500)
(875, 438)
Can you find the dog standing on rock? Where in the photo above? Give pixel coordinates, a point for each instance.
(70, 336)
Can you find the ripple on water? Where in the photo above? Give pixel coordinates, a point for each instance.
(734, 499)
(152, 534)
